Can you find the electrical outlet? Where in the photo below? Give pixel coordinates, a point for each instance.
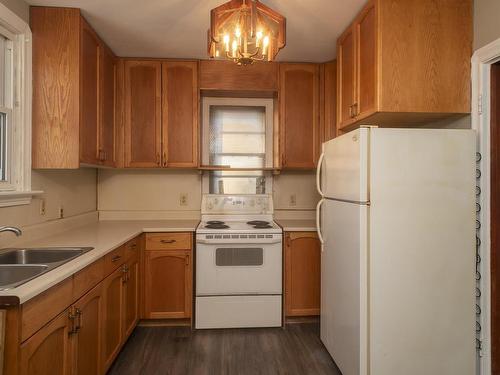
(293, 200)
(61, 212)
(183, 200)
(43, 210)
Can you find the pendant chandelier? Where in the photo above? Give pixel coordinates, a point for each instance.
(245, 31)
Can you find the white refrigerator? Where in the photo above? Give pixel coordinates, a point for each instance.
(397, 227)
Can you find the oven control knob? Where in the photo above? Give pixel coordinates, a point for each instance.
(210, 206)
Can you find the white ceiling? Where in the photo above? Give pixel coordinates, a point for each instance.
(178, 28)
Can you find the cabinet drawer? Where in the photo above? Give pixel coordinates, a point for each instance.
(165, 241)
(44, 307)
(114, 259)
(87, 278)
(131, 248)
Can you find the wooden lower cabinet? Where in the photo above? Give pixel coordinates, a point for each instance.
(79, 326)
(131, 298)
(113, 316)
(47, 352)
(86, 335)
(168, 284)
(302, 274)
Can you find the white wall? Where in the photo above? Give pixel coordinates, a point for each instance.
(72, 190)
(486, 22)
(156, 193)
(20, 7)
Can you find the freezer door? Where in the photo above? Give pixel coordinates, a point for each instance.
(343, 168)
(343, 284)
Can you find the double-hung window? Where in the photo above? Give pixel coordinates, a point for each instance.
(238, 139)
(15, 109)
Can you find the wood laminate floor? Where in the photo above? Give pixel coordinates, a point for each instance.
(296, 350)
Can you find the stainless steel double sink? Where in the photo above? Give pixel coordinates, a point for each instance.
(18, 266)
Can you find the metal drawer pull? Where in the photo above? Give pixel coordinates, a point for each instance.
(72, 317)
(79, 314)
(116, 258)
(168, 241)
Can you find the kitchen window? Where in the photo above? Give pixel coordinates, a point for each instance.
(238, 139)
(15, 110)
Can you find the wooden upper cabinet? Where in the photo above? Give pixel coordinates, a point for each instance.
(47, 352)
(56, 87)
(89, 113)
(328, 100)
(299, 115)
(142, 113)
(346, 58)
(405, 63)
(220, 75)
(302, 274)
(108, 79)
(180, 114)
(68, 110)
(366, 62)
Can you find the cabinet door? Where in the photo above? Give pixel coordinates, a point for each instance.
(47, 351)
(107, 94)
(180, 114)
(112, 317)
(131, 298)
(366, 62)
(142, 114)
(168, 284)
(346, 76)
(86, 342)
(89, 100)
(299, 115)
(302, 274)
(329, 100)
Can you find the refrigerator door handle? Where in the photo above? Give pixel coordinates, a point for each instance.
(318, 222)
(318, 173)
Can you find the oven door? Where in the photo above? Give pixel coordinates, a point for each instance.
(238, 268)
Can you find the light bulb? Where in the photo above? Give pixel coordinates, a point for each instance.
(266, 43)
(235, 47)
(259, 37)
(237, 32)
(226, 42)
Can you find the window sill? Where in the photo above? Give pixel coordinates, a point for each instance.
(17, 198)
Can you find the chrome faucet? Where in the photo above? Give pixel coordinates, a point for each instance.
(15, 230)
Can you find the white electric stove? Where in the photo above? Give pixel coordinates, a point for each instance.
(238, 263)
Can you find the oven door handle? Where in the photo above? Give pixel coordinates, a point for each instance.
(223, 242)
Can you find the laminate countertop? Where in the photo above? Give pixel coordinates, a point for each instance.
(297, 225)
(103, 236)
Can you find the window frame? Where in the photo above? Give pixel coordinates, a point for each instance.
(268, 103)
(17, 190)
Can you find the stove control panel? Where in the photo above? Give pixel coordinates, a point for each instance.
(237, 204)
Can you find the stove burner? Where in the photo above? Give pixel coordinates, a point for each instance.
(216, 226)
(262, 226)
(259, 222)
(216, 222)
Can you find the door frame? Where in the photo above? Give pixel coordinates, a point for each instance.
(481, 61)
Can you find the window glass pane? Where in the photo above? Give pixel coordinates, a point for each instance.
(3, 147)
(234, 182)
(237, 135)
(237, 138)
